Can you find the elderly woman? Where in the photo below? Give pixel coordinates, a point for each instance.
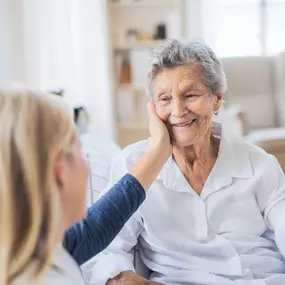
(215, 214)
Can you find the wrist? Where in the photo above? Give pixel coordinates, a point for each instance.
(161, 150)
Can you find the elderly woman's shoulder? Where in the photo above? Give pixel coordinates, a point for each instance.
(254, 149)
(260, 158)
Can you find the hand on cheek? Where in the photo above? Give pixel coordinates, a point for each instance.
(164, 115)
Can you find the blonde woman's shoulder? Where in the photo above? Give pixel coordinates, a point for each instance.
(59, 278)
(64, 270)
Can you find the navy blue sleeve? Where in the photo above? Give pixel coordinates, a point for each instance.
(104, 219)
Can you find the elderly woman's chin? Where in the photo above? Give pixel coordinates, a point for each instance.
(184, 140)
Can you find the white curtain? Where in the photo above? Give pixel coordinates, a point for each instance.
(48, 40)
(93, 62)
(52, 44)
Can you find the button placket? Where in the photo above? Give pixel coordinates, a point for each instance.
(202, 223)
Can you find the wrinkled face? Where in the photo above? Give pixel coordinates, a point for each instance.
(184, 103)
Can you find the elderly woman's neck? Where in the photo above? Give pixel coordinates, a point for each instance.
(202, 151)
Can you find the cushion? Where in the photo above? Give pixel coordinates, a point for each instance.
(266, 135)
(231, 120)
(272, 141)
(279, 83)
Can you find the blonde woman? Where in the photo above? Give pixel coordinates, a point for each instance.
(43, 179)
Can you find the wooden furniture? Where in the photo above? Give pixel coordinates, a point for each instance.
(135, 28)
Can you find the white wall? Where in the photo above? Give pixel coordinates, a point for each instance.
(193, 21)
(200, 20)
(11, 45)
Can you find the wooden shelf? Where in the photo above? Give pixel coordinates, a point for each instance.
(139, 45)
(143, 4)
(132, 132)
(143, 16)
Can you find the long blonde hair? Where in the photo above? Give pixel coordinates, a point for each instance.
(34, 129)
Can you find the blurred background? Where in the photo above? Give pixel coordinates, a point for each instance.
(95, 53)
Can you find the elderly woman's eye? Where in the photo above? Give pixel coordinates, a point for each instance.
(164, 98)
(191, 95)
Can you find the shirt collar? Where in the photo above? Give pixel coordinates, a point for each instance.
(233, 162)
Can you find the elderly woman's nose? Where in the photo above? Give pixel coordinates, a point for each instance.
(178, 108)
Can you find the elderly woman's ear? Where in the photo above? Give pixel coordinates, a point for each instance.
(220, 95)
(218, 103)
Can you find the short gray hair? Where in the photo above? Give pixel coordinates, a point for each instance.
(176, 53)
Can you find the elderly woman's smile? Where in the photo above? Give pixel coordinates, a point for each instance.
(184, 102)
(186, 124)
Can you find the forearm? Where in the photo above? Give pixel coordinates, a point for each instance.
(150, 164)
(275, 221)
(280, 235)
(104, 220)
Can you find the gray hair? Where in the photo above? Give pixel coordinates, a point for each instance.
(176, 53)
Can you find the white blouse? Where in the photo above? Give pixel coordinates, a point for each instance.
(64, 270)
(226, 234)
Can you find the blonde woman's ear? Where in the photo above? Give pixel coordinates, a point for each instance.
(59, 170)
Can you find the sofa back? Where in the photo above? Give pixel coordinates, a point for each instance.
(251, 88)
(279, 83)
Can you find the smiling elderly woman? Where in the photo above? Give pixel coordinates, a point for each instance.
(216, 212)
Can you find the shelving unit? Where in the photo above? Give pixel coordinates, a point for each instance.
(141, 4)
(131, 57)
(134, 126)
(138, 46)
